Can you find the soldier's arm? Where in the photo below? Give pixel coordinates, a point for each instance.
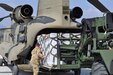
(41, 56)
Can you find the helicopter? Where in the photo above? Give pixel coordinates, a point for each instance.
(88, 45)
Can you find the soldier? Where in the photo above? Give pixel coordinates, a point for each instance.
(36, 57)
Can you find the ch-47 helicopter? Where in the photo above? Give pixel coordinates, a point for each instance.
(88, 44)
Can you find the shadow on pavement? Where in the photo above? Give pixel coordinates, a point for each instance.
(83, 72)
(46, 73)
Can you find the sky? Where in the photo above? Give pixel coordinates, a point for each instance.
(88, 9)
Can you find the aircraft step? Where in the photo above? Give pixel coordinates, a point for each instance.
(8, 70)
(5, 70)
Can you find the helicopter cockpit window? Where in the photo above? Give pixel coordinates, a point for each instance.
(109, 21)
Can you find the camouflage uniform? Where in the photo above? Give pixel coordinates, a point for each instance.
(35, 59)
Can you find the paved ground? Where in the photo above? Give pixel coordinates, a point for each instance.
(7, 71)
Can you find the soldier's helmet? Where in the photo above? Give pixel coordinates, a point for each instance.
(37, 44)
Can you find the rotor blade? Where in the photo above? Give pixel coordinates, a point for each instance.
(6, 7)
(4, 17)
(99, 5)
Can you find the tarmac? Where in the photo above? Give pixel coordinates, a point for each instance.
(4, 70)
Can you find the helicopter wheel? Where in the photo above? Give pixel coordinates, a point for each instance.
(15, 70)
(1, 61)
(77, 72)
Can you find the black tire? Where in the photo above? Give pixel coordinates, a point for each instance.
(15, 70)
(98, 69)
(1, 62)
(77, 72)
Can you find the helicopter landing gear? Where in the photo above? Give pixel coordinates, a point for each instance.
(15, 70)
(1, 60)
